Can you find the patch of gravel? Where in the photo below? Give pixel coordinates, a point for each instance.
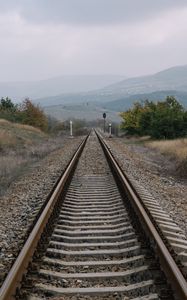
(19, 207)
(155, 172)
(92, 161)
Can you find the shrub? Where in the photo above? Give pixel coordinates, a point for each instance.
(161, 120)
(33, 115)
(25, 113)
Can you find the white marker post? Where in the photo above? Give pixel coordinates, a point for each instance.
(110, 130)
(71, 128)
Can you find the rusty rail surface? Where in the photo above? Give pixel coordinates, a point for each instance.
(169, 266)
(19, 268)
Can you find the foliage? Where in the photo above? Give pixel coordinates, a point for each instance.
(7, 104)
(161, 120)
(8, 110)
(33, 115)
(25, 113)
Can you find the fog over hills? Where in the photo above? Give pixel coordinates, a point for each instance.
(92, 110)
(54, 86)
(86, 111)
(173, 79)
(127, 101)
(88, 96)
(120, 96)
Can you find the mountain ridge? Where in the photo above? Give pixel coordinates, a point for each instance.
(172, 79)
(126, 102)
(55, 85)
(163, 80)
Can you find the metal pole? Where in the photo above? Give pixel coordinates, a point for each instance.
(71, 128)
(110, 130)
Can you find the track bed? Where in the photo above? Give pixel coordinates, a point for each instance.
(94, 251)
(91, 241)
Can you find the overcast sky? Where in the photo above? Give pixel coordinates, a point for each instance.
(46, 38)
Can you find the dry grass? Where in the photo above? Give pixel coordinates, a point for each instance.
(176, 149)
(11, 166)
(136, 139)
(6, 138)
(29, 128)
(13, 135)
(3, 121)
(6, 123)
(21, 146)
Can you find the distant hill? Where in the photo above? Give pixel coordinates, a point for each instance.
(119, 96)
(55, 86)
(86, 111)
(173, 79)
(88, 96)
(92, 111)
(126, 102)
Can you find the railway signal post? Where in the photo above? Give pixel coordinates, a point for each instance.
(104, 123)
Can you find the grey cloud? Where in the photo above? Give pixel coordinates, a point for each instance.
(88, 12)
(31, 51)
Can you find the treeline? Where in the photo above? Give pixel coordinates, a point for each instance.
(25, 113)
(161, 120)
(30, 114)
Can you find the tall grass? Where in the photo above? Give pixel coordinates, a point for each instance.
(3, 121)
(20, 146)
(176, 149)
(28, 127)
(15, 160)
(7, 139)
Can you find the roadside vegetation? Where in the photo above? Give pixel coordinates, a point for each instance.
(161, 126)
(21, 146)
(176, 149)
(162, 120)
(27, 113)
(24, 113)
(27, 135)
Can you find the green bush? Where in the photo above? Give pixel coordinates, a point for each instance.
(161, 120)
(25, 113)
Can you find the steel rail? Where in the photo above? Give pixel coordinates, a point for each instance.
(170, 268)
(19, 268)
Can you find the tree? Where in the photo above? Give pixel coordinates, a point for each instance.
(7, 104)
(33, 115)
(8, 110)
(131, 119)
(164, 119)
(25, 113)
(168, 119)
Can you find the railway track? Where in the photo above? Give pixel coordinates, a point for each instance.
(94, 240)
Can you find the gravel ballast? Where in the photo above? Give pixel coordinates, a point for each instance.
(19, 207)
(154, 172)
